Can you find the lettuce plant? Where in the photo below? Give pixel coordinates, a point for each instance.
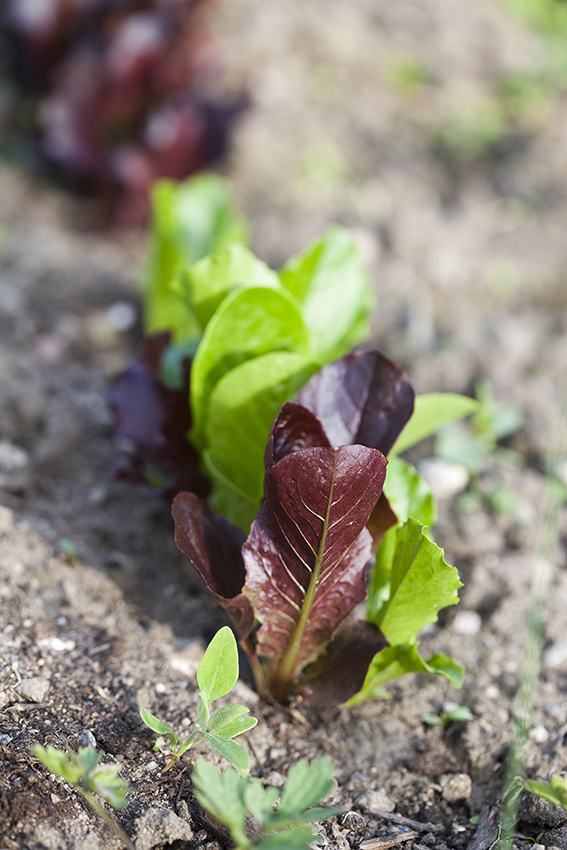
(304, 518)
(109, 94)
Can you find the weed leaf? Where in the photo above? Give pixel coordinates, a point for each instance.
(231, 750)
(229, 721)
(218, 671)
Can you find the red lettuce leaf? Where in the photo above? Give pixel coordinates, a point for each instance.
(363, 398)
(307, 552)
(152, 422)
(339, 673)
(213, 547)
(295, 428)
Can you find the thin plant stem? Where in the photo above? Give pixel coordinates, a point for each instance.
(545, 551)
(108, 819)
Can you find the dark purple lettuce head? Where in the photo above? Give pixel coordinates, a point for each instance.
(151, 422)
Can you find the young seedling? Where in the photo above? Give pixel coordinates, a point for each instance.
(282, 816)
(458, 714)
(83, 771)
(216, 677)
(554, 789)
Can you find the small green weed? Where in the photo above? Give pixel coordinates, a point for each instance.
(456, 715)
(216, 677)
(84, 772)
(283, 817)
(553, 789)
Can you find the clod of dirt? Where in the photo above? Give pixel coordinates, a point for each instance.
(160, 826)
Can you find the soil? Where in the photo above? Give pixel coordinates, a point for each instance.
(99, 612)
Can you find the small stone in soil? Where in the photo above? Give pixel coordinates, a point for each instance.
(34, 689)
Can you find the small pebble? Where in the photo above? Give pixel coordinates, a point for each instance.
(87, 739)
(539, 734)
(34, 689)
(555, 655)
(160, 826)
(377, 801)
(12, 458)
(6, 520)
(57, 645)
(446, 479)
(121, 316)
(456, 787)
(160, 688)
(467, 623)
(353, 821)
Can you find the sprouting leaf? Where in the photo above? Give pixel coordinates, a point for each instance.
(421, 584)
(395, 661)
(222, 794)
(230, 721)
(248, 323)
(554, 789)
(84, 771)
(431, 412)
(231, 750)
(363, 398)
(58, 762)
(218, 670)
(155, 724)
(319, 277)
(305, 786)
(242, 408)
(308, 549)
(190, 220)
(212, 545)
(206, 283)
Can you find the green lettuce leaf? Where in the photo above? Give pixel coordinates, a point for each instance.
(242, 408)
(190, 220)
(206, 283)
(421, 584)
(330, 282)
(248, 323)
(395, 661)
(431, 412)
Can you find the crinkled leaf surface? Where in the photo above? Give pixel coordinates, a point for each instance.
(242, 408)
(408, 495)
(421, 584)
(307, 552)
(190, 220)
(331, 283)
(247, 324)
(213, 547)
(295, 428)
(395, 661)
(431, 412)
(363, 398)
(206, 283)
(340, 671)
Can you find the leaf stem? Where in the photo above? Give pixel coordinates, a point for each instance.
(108, 819)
